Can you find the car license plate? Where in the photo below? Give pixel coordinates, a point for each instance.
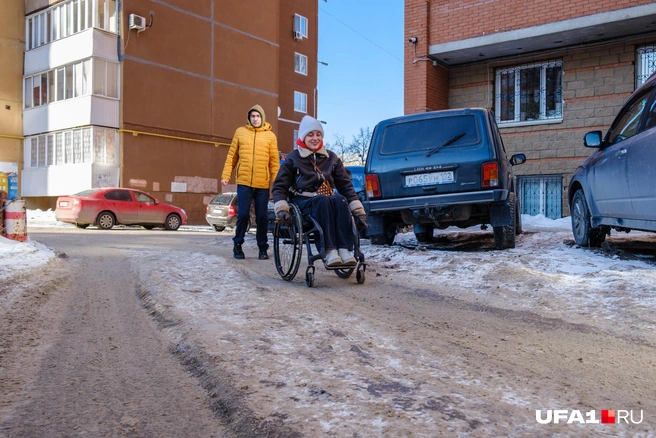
(428, 179)
(63, 203)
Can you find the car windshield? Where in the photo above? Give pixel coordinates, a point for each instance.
(427, 134)
(222, 199)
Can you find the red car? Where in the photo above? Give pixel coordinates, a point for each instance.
(112, 206)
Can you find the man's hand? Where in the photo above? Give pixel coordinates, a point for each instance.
(224, 182)
(361, 222)
(284, 218)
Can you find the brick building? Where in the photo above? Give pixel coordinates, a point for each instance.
(12, 47)
(551, 71)
(148, 93)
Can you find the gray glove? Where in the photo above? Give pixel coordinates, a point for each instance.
(284, 217)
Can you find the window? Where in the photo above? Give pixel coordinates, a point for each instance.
(300, 102)
(85, 145)
(529, 93)
(645, 63)
(541, 195)
(68, 18)
(295, 138)
(70, 81)
(301, 25)
(300, 63)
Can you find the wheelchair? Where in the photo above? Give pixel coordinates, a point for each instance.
(288, 242)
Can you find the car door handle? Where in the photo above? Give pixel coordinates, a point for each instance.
(621, 153)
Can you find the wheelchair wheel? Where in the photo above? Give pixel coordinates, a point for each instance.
(288, 245)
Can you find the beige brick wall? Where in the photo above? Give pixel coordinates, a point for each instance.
(595, 85)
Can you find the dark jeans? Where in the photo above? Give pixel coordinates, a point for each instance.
(334, 218)
(245, 196)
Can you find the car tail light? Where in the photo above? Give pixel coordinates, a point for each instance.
(490, 174)
(207, 209)
(373, 187)
(231, 210)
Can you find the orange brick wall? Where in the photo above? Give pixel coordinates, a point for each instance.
(461, 19)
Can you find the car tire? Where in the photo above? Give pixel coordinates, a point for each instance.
(504, 236)
(218, 228)
(584, 233)
(106, 220)
(83, 226)
(173, 222)
(387, 238)
(423, 233)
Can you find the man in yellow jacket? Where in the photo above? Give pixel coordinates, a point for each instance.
(254, 156)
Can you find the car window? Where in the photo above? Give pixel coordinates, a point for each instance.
(118, 195)
(628, 123)
(222, 199)
(426, 134)
(86, 193)
(142, 197)
(651, 116)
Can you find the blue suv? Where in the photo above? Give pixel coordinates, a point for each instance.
(441, 169)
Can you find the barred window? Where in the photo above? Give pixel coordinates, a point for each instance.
(529, 93)
(645, 63)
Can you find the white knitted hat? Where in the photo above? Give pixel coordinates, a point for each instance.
(308, 124)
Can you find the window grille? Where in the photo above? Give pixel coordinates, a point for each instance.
(529, 93)
(645, 63)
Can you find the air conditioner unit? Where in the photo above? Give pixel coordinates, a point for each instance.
(137, 22)
(298, 35)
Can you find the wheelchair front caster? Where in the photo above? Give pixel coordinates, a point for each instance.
(309, 276)
(359, 276)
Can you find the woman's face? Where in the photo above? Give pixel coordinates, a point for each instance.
(313, 140)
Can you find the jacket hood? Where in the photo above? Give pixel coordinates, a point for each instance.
(260, 110)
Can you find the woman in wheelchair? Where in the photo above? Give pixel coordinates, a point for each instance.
(300, 181)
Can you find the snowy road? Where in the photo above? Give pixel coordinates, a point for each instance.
(450, 339)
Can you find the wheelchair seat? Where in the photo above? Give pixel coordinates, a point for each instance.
(303, 230)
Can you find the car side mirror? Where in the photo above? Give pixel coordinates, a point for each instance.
(156, 201)
(592, 139)
(518, 159)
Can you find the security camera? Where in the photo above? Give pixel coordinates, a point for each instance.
(413, 40)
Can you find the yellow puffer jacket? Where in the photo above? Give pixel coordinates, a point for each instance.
(253, 155)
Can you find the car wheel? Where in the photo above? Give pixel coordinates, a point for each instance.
(83, 226)
(387, 238)
(423, 233)
(218, 228)
(172, 222)
(106, 220)
(584, 234)
(504, 236)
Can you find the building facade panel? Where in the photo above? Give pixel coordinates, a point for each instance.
(158, 96)
(168, 41)
(258, 19)
(245, 61)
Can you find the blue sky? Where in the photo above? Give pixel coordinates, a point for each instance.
(362, 42)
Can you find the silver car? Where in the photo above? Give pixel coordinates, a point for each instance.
(222, 211)
(614, 187)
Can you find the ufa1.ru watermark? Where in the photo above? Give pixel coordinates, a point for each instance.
(557, 416)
